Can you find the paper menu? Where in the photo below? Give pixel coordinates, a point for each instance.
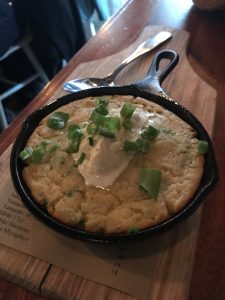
(128, 268)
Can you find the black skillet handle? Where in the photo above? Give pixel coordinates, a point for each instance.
(152, 82)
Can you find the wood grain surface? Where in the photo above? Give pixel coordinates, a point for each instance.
(173, 264)
(206, 54)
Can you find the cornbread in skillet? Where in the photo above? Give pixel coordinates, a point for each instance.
(91, 172)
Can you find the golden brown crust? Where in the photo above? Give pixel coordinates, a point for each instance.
(58, 185)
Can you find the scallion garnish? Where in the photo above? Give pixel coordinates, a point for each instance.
(74, 134)
(133, 230)
(72, 148)
(140, 145)
(106, 126)
(74, 145)
(101, 109)
(112, 123)
(127, 124)
(127, 110)
(26, 153)
(106, 132)
(150, 133)
(97, 118)
(71, 192)
(143, 145)
(81, 158)
(58, 120)
(91, 140)
(43, 150)
(74, 131)
(52, 147)
(40, 152)
(202, 147)
(131, 146)
(103, 101)
(149, 180)
(92, 128)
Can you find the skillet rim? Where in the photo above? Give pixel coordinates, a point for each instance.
(209, 179)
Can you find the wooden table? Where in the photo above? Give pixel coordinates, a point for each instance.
(206, 56)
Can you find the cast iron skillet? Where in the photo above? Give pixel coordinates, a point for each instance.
(149, 88)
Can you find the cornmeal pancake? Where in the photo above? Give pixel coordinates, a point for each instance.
(113, 164)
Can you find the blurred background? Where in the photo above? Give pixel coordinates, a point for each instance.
(37, 39)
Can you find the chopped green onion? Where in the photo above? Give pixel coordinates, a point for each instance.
(131, 146)
(51, 147)
(72, 148)
(112, 123)
(81, 158)
(97, 118)
(127, 110)
(74, 145)
(106, 132)
(71, 192)
(103, 101)
(102, 110)
(127, 124)
(58, 120)
(26, 153)
(150, 133)
(74, 134)
(91, 140)
(140, 145)
(45, 143)
(149, 180)
(74, 131)
(202, 147)
(38, 154)
(143, 145)
(133, 230)
(92, 128)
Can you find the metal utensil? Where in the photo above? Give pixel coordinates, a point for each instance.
(87, 83)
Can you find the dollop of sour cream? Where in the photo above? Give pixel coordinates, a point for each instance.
(106, 160)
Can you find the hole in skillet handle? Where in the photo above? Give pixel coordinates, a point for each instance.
(152, 82)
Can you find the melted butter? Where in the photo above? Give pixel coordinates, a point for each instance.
(106, 160)
(104, 163)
